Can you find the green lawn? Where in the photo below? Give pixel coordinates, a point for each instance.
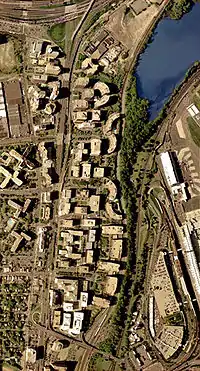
(61, 33)
(196, 100)
(99, 363)
(57, 34)
(194, 131)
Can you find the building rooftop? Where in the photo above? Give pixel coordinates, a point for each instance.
(98, 172)
(108, 267)
(30, 355)
(52, 69)
(168, 168)
(77, 323)
(94, 203)
(79, 116)
(87, 94)
(86, 170)
(66, 322)
(81, 82)
(56, 318)
(102, 87)
(100, 302)
(112, 229)
(88, 223)
(80, 104)
(169, 340)
(116, 249)
(69, 286)
(95, 147)
(89, 256)
(110, 285)
(138, 6)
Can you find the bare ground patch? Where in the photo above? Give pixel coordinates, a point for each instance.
(127, 28)
(7, 57)
(6, 367)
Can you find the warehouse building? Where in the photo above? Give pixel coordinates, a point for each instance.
(2, 103)
(190, 259)
(194, 112)
(4, 131)
(170, 171)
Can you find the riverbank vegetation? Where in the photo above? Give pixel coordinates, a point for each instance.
(137, 131)
(138, 137)
(176, 9)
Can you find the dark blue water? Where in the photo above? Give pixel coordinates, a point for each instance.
(175, 46)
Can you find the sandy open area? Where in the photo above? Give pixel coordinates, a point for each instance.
(128, 29)
(7, 57)
(8, 368)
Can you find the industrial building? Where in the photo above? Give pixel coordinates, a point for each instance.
(193, 111)
(190, 259)
(170, 172)
(169, 169)
(4, 131)
(2, 102)
(16, 109)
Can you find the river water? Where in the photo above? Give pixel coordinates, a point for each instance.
(174, 47)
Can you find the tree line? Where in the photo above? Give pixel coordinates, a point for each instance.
(176, 9)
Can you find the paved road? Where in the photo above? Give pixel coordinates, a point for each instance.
(21, 274)
(29, 139)
(82, 342)
(93, 335)
(67, 137)
(186, 366)
(30, 192)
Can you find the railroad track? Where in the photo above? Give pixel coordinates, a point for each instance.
(47, 15)
(93, 337)
(174, 102)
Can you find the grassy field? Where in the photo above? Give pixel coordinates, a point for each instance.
(196, 100)
(99, 363)
(194, 131)
(57, 34)
(7, 367)
(61, 34)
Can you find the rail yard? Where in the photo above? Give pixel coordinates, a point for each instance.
(44, 12)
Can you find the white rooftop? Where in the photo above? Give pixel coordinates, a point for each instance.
(168, 168)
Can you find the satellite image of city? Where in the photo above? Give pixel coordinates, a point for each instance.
(99, 185)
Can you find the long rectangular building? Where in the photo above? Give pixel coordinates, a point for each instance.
(191, 261)
(169, 171)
